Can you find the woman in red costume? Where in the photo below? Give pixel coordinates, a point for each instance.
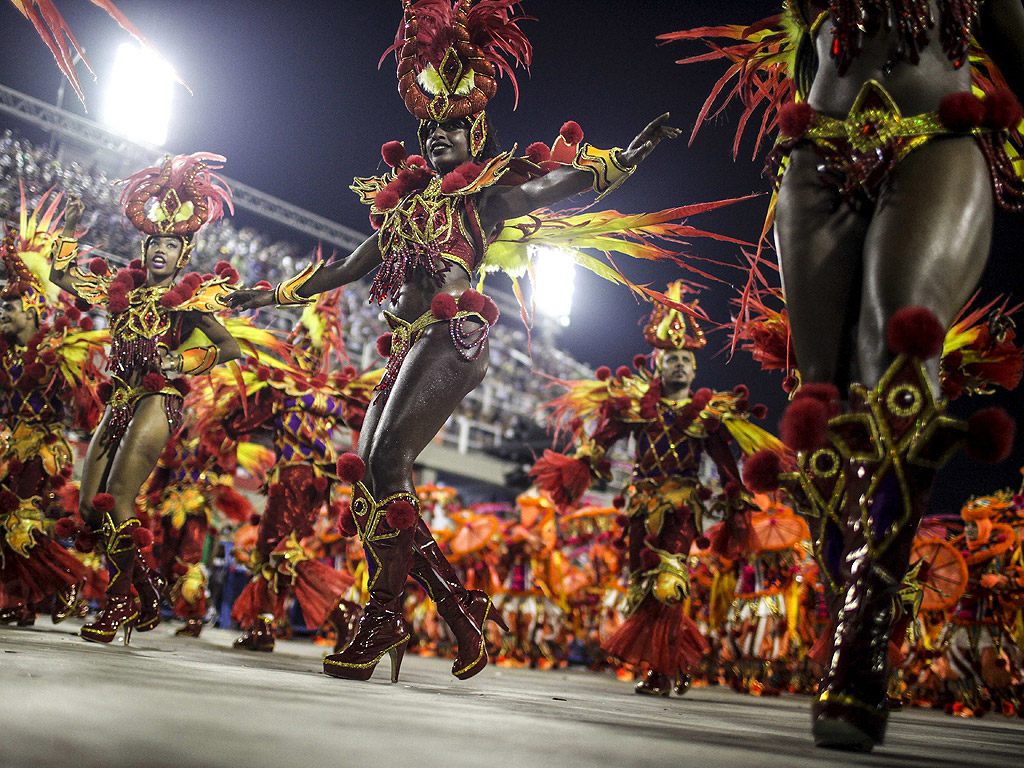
(891, 169)
(152, 314)
(434, 227)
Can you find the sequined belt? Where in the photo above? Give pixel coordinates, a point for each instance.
(122, 404)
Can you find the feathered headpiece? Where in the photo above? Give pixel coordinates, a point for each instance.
(26, 255)
(450, 55)
(186, 195)
(668, 328)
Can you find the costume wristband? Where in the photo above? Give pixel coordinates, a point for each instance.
(198, 360)
(287, 292)
(63, 253)
(608, 172)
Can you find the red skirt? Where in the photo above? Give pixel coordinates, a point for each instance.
(661, 636)
(48, 568)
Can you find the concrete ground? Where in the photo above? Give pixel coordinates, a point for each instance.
(167, 701)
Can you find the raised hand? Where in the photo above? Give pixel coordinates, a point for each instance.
(647, 140)
(249, 298)
(73, 210)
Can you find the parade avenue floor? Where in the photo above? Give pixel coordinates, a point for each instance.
(180, 702)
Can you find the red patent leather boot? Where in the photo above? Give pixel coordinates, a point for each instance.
(150, 586)
(464, 611)
(382, 628)
(119, 609)
(65, 602)
(345, 619)
(258, 637)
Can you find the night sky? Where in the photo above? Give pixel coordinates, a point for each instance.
(290, 93)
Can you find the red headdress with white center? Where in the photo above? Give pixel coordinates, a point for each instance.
(450, 55)
(182, 195)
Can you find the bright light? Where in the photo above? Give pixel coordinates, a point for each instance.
(139, 94)
(556, 275)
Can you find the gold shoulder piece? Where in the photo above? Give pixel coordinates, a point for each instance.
(368, 187)
(210, 296)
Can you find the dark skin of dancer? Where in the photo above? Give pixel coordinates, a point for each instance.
(121, 469)
(847, 269)
(435, 378)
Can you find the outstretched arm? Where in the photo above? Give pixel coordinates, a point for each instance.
(498, 204)
(59, 273)
(357, 264)
(1002, 36)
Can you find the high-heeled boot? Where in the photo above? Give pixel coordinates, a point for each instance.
(150, 586)
(345, 620)
(464, 611)
(382, 628)
(65, 602)
(119, 608)
(896, 437)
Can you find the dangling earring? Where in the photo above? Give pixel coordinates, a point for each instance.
(478, 134)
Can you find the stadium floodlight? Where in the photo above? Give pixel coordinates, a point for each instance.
(556, 280)
(139, 94)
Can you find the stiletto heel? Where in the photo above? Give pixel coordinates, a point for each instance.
(128, 633)
(493, 614)
(397, 654)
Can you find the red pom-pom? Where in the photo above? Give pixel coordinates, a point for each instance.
(383, 345)
(8, 501)
(823, 392)
(400, 514)
(98, 266)
(65, 528)
(416, 161)
(702, 397)
(453, 182)
(603, 373)
(277, 375)
(622, 521)
(351, 468)
(990, 434)
(347, 523)
(803, 424)
(623, 371)
(82, 304)
(742, 405)
(102, 502)
(1002, 110)
(915, 331)
(490, 311)
(732, 490)
(761, 471)
(704, 493)
(471, 301)
(603, 466)
(143, 537)
(153, 382)
(86, 324)
(796, 118)
(73, 314)
(181, 385)
(444, 306)
(85, 540)
(137, 277)
(193, 279)
(702, 542)
(263, 373)
(759, 411)
(961, 111)
(118, 303)
(386, 199)
(538, 152)
(104, 391)
(136, 264)
(349, 372)
(35, 370)
(393, 153)
(619, 501)
(319, 484)
(741, 390)
(571, 133)
(254, 519)
(171, 299)
(640, 362)
(649, 560)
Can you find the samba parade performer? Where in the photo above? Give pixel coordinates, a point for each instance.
(191, 490)
(299, 406)
(893, 152)
(48, 376)
(665, 501)
(152, 313)
(470, 212)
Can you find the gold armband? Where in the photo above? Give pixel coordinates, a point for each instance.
(63, 253)
(198, 360)
(287, 292)
(608, 172)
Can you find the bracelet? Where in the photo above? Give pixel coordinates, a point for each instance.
(608, 172)
(63, 252)
(198, 360)
(287, 292)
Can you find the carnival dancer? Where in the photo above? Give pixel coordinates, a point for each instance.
(665, 500)
(300, 407)
(48, 378)
(152, 313)
(891, 168)
(437, 227)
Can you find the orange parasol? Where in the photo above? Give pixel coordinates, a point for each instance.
(778, 529)
(945, 579)
(474, 534)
